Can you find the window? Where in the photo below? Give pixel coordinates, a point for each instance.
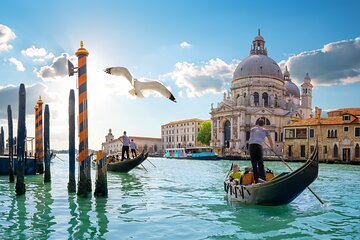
(266, 121)
(357, 151)
(357, 132)
(301, 133)
(346, 129)
(266, 99)
(311, 133)
(346, 117)
(336, 151)
(247, 136)
(256, 98)
(325, 149)
(290, 151)
(302, 151)
(289, 133)
(276, 136)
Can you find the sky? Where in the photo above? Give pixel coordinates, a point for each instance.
(192, 47)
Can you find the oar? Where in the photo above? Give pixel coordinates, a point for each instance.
(59, 158)
(151, 162)
(318, 198)
(143, 167)
(229, 170)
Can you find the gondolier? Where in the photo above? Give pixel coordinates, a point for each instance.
(257, 137)
(125, 148)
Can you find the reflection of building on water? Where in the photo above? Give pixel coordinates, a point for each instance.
(259, 90)
(338, 136)
(114, 146)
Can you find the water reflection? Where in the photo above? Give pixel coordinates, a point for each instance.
(130, 184)
(101, 217)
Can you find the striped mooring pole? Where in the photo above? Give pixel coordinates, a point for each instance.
(47, 175)
(11, 145)
(39, 136)
(2, 141)
(72, 183)
(21, 137)
(101, 189)
(84, 185)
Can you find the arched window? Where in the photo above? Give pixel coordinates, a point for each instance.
(357, 150)
(256, 99)
(266, 121)
(329, 134)
(276, 136)
(336, 151)
(266, 99)
(227, 132)
(332, 133)
(335, 134)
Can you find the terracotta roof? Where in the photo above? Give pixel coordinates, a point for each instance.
(353, 111)
(322, 121)
(185, 121)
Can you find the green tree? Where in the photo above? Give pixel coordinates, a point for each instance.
(204, 134)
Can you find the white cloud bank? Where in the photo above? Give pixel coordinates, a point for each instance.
(56, 70)
(19, 65)
(39, 54)
(185, 45)
(6, 35)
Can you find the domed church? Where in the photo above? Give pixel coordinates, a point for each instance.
(259, 90)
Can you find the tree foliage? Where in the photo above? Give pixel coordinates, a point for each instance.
(204, 134)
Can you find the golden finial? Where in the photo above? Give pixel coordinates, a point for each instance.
(82, 50)
(40, 97)
(40, 102)
(81, 43)
(36, 106)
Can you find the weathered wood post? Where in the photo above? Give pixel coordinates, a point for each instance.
(84, 184)
(101, 189)
(21, 137)
(11, 145)
(47, 175)
(39, 135)
(72, 183)
(2, 141)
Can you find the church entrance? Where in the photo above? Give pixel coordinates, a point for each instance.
(227, 134)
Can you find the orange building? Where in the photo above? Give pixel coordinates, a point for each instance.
(338, 136)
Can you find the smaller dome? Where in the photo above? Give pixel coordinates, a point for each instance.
(292, 89)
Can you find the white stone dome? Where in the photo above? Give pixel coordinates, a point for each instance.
(258, 65)
(292, 89)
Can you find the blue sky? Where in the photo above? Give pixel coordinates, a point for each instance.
(146, 37)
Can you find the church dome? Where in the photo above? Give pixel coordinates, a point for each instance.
(292, 89)
(258, 65)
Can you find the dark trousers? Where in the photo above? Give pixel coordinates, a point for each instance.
(256, 155)
(133, 152)
(125, 149)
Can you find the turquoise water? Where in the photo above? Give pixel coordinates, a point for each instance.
(179, 199)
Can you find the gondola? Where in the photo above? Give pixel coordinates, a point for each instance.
(127, 165)
(281, 190)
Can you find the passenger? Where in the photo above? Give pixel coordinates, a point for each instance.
(248, 177)
(257, 137)
(235, 174)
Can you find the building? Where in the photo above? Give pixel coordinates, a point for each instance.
(114, 145)
(180, 133)
(338, 136)
(259, 90)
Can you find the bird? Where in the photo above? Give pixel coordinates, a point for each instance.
(138, 86)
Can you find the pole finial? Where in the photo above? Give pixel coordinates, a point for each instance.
(81, 43)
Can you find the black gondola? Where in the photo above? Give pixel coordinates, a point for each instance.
(280, 190)
(127, 165)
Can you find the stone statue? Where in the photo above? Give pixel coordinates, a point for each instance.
(271, 101)
(252, 100)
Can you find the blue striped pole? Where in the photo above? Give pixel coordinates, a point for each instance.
(47, 175)
(21, 137)
(11, 145)
(72, 183)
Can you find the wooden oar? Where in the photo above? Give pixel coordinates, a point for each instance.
(227, 175)
(59, 158)
(143, 167)
(286, 164)
(151, 162)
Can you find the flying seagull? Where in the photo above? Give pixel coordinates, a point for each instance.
(139, 86)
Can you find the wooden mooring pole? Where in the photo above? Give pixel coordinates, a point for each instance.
(2, 141)
(72, 183)
(39, 135)
(21, 138)
(101, 189)
(47, 175)
(11, 145)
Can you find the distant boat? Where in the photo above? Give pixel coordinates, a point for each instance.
(282, 189)
(200, 153)
(127, 165)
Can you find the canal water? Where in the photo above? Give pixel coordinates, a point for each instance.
(179, 199)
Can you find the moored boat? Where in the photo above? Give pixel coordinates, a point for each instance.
(282, 189)
(199, 153)
(127, 165)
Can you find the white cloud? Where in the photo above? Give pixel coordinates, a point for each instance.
(213, 76)
(185, 45)
(56, 70)
(6, 35)
(335, 63)
(19, 66)
(39, 54)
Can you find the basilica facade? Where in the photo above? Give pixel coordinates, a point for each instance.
(259, 90)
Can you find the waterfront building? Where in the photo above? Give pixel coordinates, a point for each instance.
(259, 90)
(114, 145)
(181, 133)
(338, 136)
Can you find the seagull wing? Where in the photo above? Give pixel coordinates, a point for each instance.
(120, 71)
(155, 86)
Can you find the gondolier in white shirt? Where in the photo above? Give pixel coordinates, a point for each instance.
(125, 148)
(257, 137)
(133, 148)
